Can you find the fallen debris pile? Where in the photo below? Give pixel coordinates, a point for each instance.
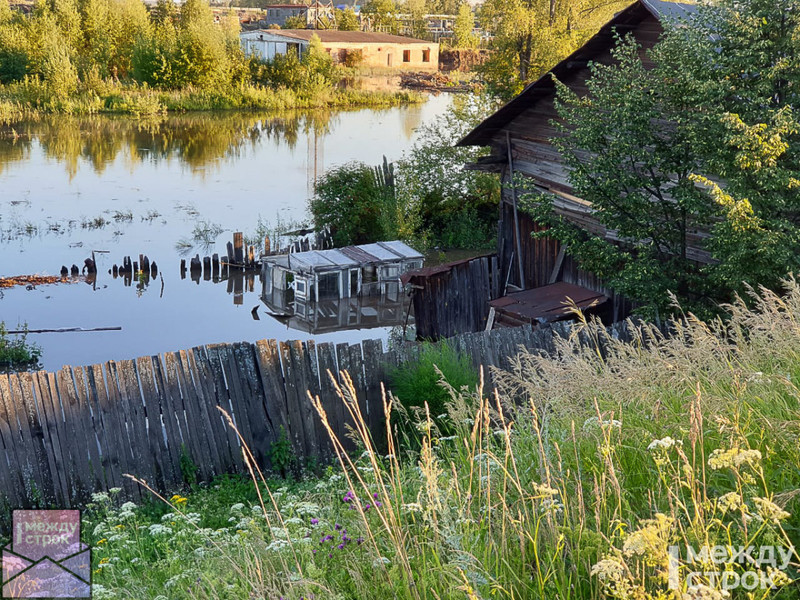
(31, 280)
(437, 82)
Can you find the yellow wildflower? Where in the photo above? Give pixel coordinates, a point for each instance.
(733, 458)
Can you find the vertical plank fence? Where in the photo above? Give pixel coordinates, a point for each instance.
(65, 435)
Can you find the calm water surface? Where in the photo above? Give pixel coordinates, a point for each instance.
(164, 188)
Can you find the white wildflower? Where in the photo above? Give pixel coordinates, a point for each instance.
(730, 501)
(703, 592)
(157, 529)
(664, 443)
(609, 569)
(770, 511)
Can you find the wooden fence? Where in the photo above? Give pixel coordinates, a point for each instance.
(454, 298)
(65, 435)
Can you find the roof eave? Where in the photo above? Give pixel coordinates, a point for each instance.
(486, 130)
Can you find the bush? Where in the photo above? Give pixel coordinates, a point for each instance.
(353, 58)
(428, 381)
(15, 352)
(351, 201)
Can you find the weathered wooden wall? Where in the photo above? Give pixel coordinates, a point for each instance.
(65, 435)
(454, 298)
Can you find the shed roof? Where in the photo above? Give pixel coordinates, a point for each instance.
(347, 257)
(544, 86)
(401, 249)
(333, 36)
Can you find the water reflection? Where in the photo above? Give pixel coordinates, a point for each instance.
(198, 140)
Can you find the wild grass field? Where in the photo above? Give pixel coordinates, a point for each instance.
(568, 480)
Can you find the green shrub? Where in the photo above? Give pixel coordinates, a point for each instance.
(15, 351)
(350, 200)
(420, 382)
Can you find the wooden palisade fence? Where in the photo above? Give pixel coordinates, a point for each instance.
(65, 435)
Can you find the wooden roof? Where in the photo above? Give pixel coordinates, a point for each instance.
(602, 41)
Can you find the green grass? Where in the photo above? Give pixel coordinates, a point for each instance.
(29, 100)
(569, 483)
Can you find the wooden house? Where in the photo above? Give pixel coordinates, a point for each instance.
(519, 136)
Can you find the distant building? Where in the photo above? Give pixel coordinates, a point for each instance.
(276, 14)
(375, 49)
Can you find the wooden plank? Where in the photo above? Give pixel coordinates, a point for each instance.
(59, 467)
(17, 458)
(207, 412)
(14, 486)
(133, 408)
(374, 373)
(176, 398)
(223, 401)
(356, 370)
(27, 403)
(165, 477)
(236, 393)
(199, 360)
(194, 403)
(293, 399)
(123, 443)
(87, 426)
(269, 368)
(170, 418)
(107, 434)
(331, 403)
(304, 381)
(264, 435)
(195, 443)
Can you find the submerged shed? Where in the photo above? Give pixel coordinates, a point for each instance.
(338, 273)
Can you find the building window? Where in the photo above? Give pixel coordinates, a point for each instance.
(406, 55)
(426, 55)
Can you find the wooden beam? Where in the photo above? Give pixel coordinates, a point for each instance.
(559, 262)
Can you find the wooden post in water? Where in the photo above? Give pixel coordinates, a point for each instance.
(238, 248)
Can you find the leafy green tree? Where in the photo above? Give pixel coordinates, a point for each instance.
(346, 20)
(432, 180)
(464, 27)
(706, 140)
(419, 25)
(164, 13)
(5, 12)
(350, 200)
(383, 15)
(294, 22)
(530, 36)
(13, 47)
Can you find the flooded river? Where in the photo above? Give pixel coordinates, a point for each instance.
(169, 189)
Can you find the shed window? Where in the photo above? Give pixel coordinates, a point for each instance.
(406, 55)
(426, 55)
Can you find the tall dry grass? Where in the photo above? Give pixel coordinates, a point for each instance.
(567, 477)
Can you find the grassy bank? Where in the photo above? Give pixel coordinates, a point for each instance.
(570, 483)
(30, 100)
